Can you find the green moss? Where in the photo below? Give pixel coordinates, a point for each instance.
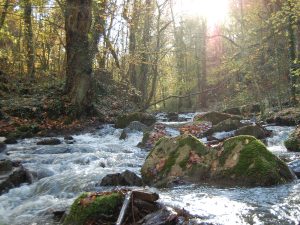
(184, 162)
(124, 120)
(170, 162)
(292, 144)
(194, 143)
(255, 163)
(101, 205)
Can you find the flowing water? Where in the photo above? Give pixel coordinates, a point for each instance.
(61, 172)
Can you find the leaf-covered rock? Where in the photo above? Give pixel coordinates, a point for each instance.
(243, 160)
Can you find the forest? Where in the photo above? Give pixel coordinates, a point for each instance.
(198, 99)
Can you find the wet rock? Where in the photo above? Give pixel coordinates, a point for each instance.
(295, 167)
(286, 117)
(293, 142)
(151, 137)
(226, 125)
(12, 175)
(123, 135)
(165, 216)
(69, 139)
(51, 141)
(2, 146)
(242, 160)
(215, 117)
(253, 130)
(145, 118)
(172, 116)
(11, 140)
(126, 178)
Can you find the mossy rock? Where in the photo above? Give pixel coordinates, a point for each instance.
(242, 161)
(246, 161)
(145, 118)
(253, 130)
(92, 206)
(215, 117)
(172, 159)
(293, 142)
(252, 108)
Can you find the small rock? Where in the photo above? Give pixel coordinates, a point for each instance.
(68, 138)
(295, 166)
(2, 146)
(173, 116)
(253, 130)
(123, 135)
(52, 141)
(10, 141)
(165, 216)
(127, 178)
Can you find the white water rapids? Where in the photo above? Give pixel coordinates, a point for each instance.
(64, 171)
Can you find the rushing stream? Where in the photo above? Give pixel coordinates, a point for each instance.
(61, 172)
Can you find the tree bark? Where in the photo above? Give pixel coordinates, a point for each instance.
(4, 13)
(79, 62)
(30, 55)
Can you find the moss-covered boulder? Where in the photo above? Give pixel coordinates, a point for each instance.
(175, 158)
(286, 117)
(95, 207)
(234, 111)
(253, 130)
(244, 160)
(145, 118)
(215, 117)
(293, 141)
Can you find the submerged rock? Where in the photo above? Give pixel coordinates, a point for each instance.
(164, 216)
(242, 160)
(253, 130)
(145, 118)
(126, 178)
(51, 141)
(215, 117)
(12, 175)
(293, 142)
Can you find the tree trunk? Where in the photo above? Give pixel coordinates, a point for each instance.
(4, 13)
(30, 56)
(79, 62)
(145, 51)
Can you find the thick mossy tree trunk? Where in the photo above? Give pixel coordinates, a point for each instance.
(79, 62)
(29, 39)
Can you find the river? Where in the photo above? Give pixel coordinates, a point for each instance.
(62, 172)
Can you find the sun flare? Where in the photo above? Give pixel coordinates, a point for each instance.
(215, 11)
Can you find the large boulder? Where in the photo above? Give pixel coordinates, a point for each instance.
(243, 160)
(246, 161)
(293, 141)
(253, 130)
(250, 109)
(215, 117)
(126, 178)
(12, 175)
(286, 117)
